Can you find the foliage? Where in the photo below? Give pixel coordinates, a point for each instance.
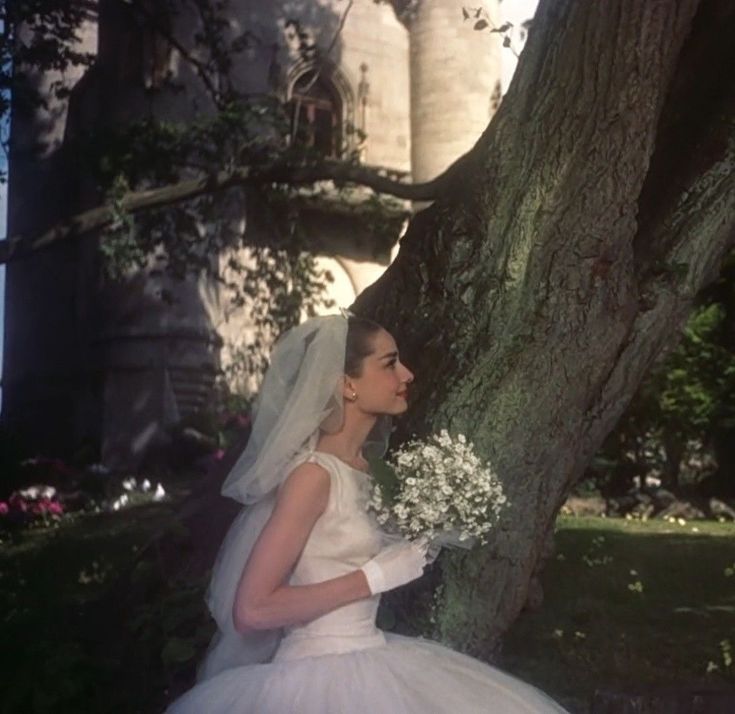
(266, 269)
(75, 492)
(100, 642)
(684, 401)
(272, 276)
(481, 20)
(36, 35)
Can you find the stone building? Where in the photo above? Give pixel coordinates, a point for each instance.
(116, 365)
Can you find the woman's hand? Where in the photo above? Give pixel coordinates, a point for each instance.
(395, 565)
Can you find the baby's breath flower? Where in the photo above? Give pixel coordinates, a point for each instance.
(444, 491)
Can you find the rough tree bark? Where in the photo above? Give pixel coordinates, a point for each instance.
(531, 299)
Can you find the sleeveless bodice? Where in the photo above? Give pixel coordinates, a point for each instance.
(343, 539)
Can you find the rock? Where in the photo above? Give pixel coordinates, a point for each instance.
(588, 506)
(662, 498)
(621, 505)
(719, 509)
(682, 509)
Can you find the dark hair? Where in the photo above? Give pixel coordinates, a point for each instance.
(359, 332)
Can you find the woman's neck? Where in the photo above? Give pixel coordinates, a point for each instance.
(347, 443)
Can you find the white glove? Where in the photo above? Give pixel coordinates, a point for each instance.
(395, 565)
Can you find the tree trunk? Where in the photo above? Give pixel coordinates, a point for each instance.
(532, 298)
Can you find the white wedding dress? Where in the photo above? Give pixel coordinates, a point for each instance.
(341, 663)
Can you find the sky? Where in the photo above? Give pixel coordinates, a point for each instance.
(516, 12)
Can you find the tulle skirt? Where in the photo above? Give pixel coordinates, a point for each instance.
(404, 676)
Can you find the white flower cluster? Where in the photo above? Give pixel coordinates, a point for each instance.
(443, 491)
(134, 493)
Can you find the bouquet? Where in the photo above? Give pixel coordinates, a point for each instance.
(439, 489)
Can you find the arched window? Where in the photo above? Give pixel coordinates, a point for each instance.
(316, 114)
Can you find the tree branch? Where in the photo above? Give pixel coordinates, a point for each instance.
(281, 173)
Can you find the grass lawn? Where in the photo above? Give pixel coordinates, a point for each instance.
(625, 603)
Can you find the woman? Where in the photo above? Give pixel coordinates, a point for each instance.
(298, 579)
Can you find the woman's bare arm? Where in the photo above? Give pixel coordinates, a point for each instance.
(262, 601)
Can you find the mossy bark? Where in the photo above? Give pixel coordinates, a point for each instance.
(531, 299)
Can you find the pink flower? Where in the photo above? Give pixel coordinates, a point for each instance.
(56, 508)
(4, 508)
(39, 507)
(218, 455)
(17, 502)
(237, 420)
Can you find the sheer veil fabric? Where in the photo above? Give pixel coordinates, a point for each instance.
(301, 395)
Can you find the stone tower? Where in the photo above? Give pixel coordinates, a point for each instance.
(454, 71)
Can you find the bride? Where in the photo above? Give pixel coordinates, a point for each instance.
(297, 582)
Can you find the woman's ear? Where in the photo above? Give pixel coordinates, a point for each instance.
(349, 392)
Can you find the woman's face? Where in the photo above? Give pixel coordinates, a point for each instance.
(382, 387)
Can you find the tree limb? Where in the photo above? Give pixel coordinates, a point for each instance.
(280, 173)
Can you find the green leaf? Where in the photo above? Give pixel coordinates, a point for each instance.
(386, 618)
(385, 477)
(177, 651)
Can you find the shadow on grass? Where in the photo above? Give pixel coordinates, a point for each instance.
(628, 604)
(70, 597)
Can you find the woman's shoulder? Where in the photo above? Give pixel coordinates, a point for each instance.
(317, 471)
(305, 483)
(325, 462)
(308, 471)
